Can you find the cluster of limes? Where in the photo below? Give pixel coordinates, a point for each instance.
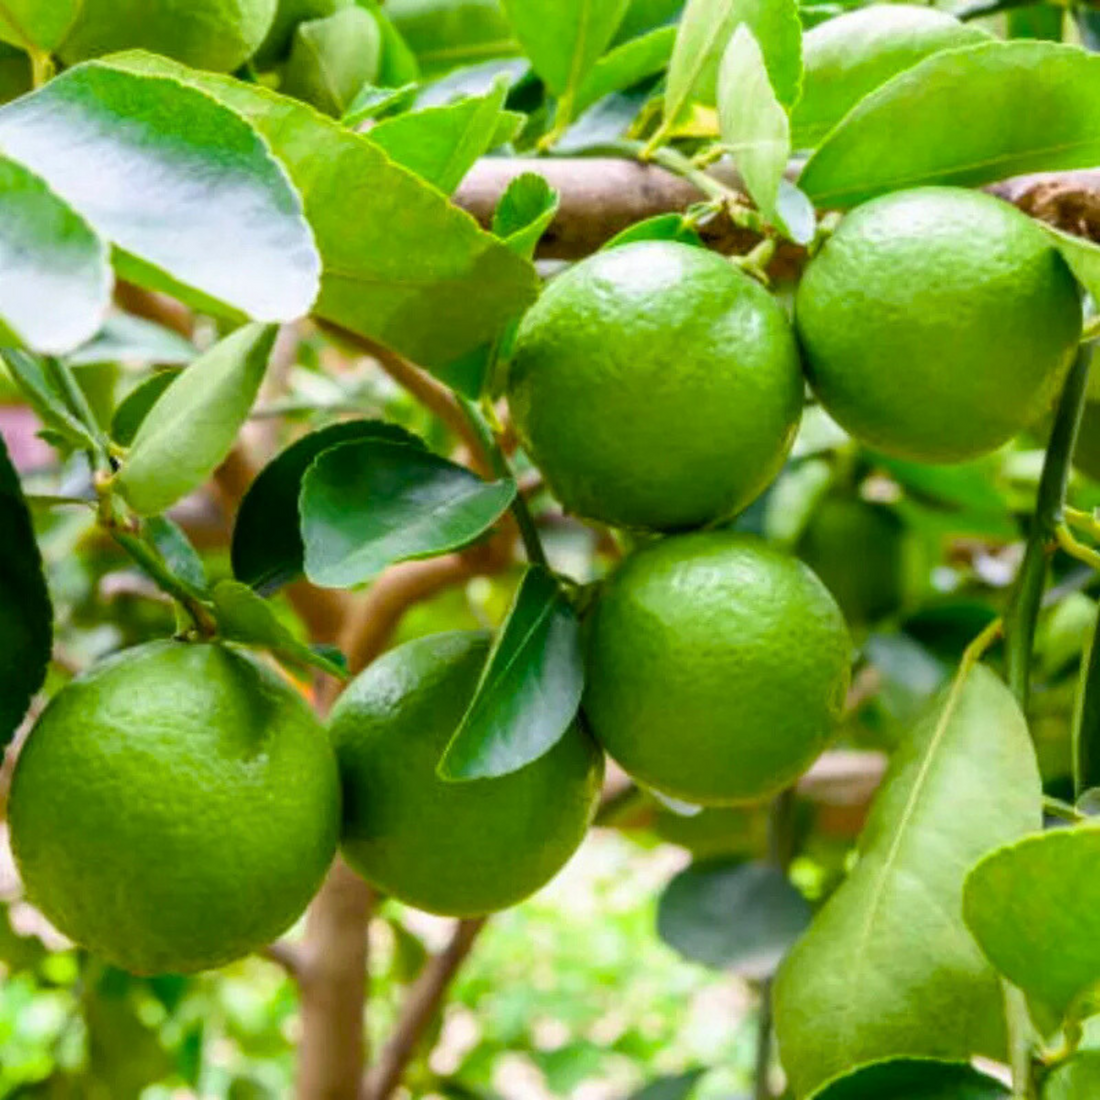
(179, 805)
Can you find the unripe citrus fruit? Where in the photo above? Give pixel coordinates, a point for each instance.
(175, 808)
(717, 667)
(218, 35)
(937, 323)
(460, 849)
(656, 386)
(858, 550)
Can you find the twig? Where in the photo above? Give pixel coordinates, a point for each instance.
(422, 1002)
(285, 955)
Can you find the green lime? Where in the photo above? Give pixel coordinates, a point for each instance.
(175, 808)
(656, 386)
(858, 550)
(289, 13)
(717, 667)
(219, 35)
(460, 849)
(937, 323)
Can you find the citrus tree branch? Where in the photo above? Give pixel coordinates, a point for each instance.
(423, 1001)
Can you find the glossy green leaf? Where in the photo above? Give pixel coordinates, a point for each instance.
(155, 155)
(136, 405)
(661, 227)
(530, 689)
(564, 38)
(34, 24)
(732, 915)
(267, 548)
(55, 273)
(247, 618)
(705, 31)
(372, 219)
(332, 58)
(1082, 255)
(441, 144)
(888, 960)
(26, 617)
(176, 551)
(35, 379)
(1034, 907)
(1031, 107)
(366, 505)
(914, 1079)
(848, 57)
(194, 424)
(128, 339)
(754, 126)
(679, 1086)
(625, 66)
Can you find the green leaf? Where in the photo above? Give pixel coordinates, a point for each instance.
(34, 25)
(677, 1086)
(1031, 107)
(1034, 907)
(754, 126)
(55, 274)
(661, 227)
(372, 219)
(38, 386)
(194, 424)
(136, 405)
(449, 34)
(154, 156)
(332, 58)
(888, 960)
(625, 66)
(530, 689)
(1036, 21)
(441, 144)
(913, 1079)
(128, 339)
(177, 553)
(564, 38)
(705, 31)
(247, 618)
(26, 617)
(732, 915)
(267, 546)
(1082, 255)
(524, 212)
(372, 102)
(848, 57)
(1077, 1079)
(366, 505)
(969, 485)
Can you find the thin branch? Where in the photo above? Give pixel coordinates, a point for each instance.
(286, 955)
(421, 1004)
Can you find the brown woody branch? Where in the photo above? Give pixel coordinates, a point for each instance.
(422, 1002)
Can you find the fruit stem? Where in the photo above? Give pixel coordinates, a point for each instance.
(1022, 612)
(488, 430)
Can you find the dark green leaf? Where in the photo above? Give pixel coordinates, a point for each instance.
(194, 424)
(26, 618)
(332, 58)
(914, 1079)
(1034, 907)
(247, 618)
(1036, 21)
(55, 274)
(564, 38)
(124, 1053)
(888, 960)
(368, 504)
(738, 916)
(675, 1087)
(372, 219)
(135, 406)
(848, 57)
(176, 551)
(1032, 107)
(267, 536)
(441, 144)
(661, 227)
(156, 155)
(625, 66)
(17, 952)
(128, 339)
(530, 688)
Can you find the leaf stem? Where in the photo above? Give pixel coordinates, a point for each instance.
(1025, 601)
(489, 436)
(1021, 1041)
(78, 404)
